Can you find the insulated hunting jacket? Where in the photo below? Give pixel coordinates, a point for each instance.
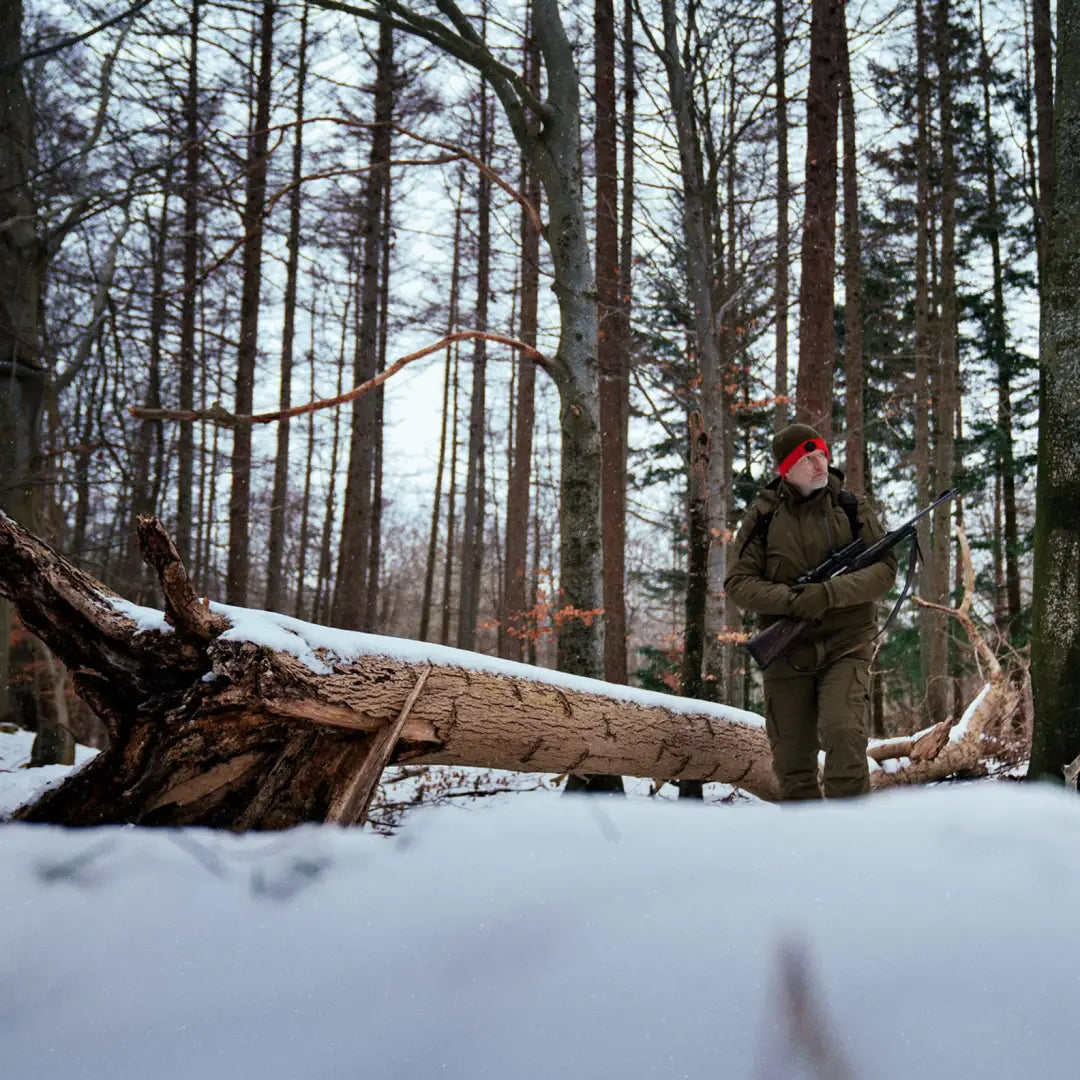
(783, 535)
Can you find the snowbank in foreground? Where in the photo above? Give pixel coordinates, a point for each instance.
(546, 936)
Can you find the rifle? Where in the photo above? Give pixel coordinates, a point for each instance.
(766, 645)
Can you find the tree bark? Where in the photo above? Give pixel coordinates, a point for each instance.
(374, 567)
(817, 335)
(782, 411)
(697, 560)
(305, 501)
(923, 465)
(944, 380)
(696, 232)
(436, 502)
(142, 500)
(21, 374)
(611, 358)
(275, 558)
(350, 591)
(185, 445)
(472, 525)
(512, 624)
(999, 359)
(1055, 657)
(854, 442)
(239, 566)
(1043, 49)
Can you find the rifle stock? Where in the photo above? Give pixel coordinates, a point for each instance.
(774, 640)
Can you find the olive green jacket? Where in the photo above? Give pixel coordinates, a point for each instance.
(763, 567)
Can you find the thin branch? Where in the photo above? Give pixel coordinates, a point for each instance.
(66, 43)
(460, 152)
(471, 52)
(216, 414)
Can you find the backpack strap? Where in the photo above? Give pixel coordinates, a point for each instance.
(850, 503)
(761, 528)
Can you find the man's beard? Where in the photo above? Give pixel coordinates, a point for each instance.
(812, 485)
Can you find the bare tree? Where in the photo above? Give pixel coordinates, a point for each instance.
(611, 350)
(21, 373)
(350, 592)
(517, 495)
(254, 203)
(472, 526)
(854, 476)
(782, 412)
(817, 336)
(555, 153)
(275, 559)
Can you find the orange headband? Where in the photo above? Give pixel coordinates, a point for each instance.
(800, 452)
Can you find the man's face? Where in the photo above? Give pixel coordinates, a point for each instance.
(810, 472)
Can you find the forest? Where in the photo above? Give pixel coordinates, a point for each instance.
(472, 325)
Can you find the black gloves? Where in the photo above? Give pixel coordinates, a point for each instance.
(809, 602)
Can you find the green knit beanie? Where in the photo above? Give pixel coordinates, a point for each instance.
(793, 442)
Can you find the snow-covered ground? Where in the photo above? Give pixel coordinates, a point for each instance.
(18, 782)
(920, 933)
(914, 934)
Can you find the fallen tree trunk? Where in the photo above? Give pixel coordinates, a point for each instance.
(248, 720)
(209, 728)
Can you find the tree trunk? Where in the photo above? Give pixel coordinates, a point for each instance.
(512, 624)
(697, 559)
(350, 592)
(451, 507)
(374, 568)
(782, 411)
(185, 446)
(944, 381)
(322, 607)
(817, 335)
(999, 357)
(472, 526)
(305, 502)
(855, 442)
(923, 466)
(21, 374)
(275, 558)
(239, 565)
(696, 235)
(1043, 49)
(611, 356)
(142, 501)
(436, 502)
(1055, 657)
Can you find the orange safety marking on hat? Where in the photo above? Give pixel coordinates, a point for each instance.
(800, 452)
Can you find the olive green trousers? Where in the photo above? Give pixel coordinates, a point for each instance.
(824, 709)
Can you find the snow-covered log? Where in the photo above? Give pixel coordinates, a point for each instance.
(240, 719)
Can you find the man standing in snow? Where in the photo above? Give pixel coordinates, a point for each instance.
(817, 694)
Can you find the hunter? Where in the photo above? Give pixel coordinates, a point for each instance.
(817, 695)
